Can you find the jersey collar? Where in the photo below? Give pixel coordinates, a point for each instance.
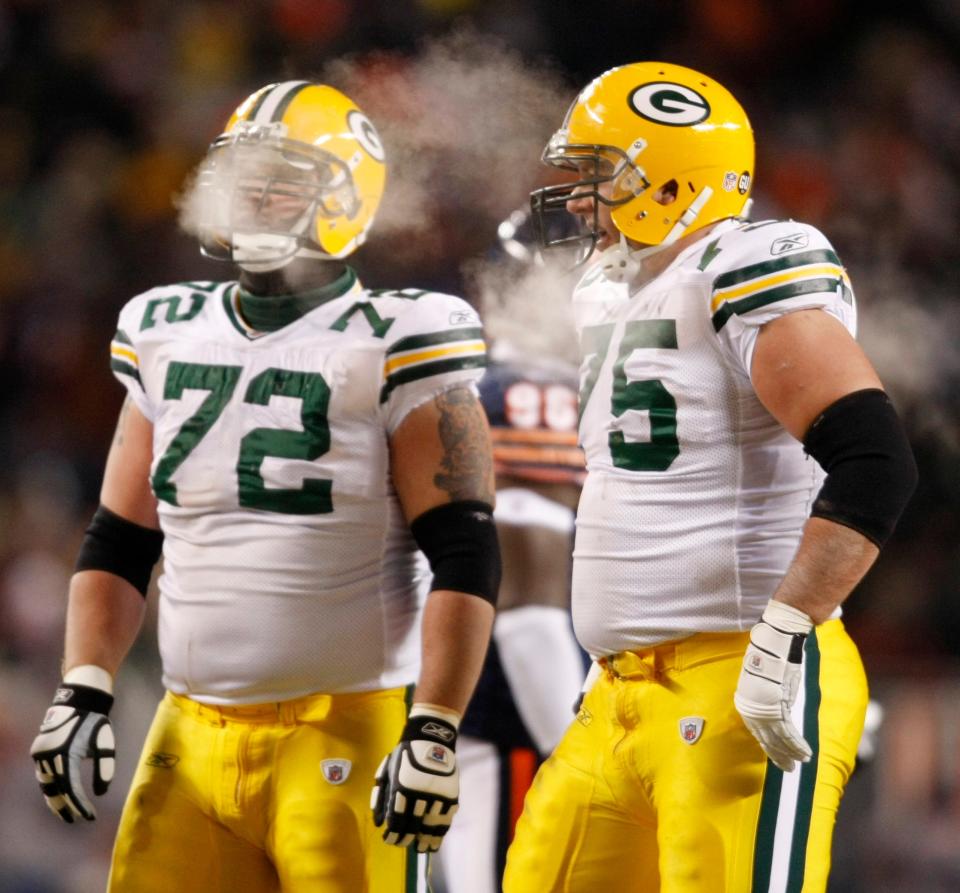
(254, 315)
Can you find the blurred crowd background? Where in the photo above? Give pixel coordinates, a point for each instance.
(106, 107)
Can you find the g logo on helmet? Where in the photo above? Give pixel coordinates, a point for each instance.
(667, 103)
(362, 128)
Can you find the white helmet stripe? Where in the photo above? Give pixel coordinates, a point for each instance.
(276, 100)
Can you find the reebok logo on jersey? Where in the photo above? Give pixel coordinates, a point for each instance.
(691, 728)
(160, 760)
(435, 730)
(335, 771)
(789, 243)
(463, 318)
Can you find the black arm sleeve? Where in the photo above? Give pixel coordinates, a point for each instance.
(120, 547)
(460, 542)
(871, 473)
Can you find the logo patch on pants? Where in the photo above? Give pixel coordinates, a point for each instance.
(691, 728)
(160, 760)
(335, 771)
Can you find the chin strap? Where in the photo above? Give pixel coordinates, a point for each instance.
(621, 263)
(687, 217)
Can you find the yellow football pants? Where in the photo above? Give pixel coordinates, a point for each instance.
(658, 785)
(263, 798)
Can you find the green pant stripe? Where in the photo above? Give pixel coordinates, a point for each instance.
(766, 828)
(412, 874)
(410, 883)
(773, 785)
(808, 771)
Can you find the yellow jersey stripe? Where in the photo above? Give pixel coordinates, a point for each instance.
(441, 352)
(766, 282)
(124, 353)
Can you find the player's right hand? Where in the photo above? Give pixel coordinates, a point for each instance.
(75, 727)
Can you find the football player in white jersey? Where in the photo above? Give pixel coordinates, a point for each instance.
(289, 440)
(744, 467)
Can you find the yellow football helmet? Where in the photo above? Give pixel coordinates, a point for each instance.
(676, 147)
(298, 171)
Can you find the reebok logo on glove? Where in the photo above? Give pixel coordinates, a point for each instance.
(436, 730)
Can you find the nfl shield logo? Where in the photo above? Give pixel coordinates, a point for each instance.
(691, 728)
(335, 771)
(438, 753)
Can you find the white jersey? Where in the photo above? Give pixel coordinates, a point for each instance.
(695, 496)
(288, 566)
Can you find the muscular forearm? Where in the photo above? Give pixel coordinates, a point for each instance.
(829, 563)
(104, 616)
(456, 630)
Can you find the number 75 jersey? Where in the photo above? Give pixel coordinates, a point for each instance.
(695, 496)
(288, 565)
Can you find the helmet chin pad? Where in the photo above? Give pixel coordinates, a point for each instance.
(263, 252)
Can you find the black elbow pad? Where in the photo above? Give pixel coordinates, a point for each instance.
(871, 473)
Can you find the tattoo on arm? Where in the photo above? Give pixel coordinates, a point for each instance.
(467, 465)
(121, 422)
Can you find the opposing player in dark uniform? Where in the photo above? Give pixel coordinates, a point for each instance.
(534, 668)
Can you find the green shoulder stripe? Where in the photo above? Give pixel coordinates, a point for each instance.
(126, 369)
(423, 370)
(744, 274)
(413, 342)
(771, 296)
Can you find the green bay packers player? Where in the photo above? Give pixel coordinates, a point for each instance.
(744, 467)
(289, 440)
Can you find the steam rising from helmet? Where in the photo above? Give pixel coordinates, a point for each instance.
(464, 124)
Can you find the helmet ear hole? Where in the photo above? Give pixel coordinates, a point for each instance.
(667, 193)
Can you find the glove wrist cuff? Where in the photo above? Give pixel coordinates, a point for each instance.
(83, 697)
(430, 727)
(786, 618)
(435, 711)
(91, 676)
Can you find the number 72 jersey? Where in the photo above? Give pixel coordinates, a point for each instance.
(695, 496)
(288, 566)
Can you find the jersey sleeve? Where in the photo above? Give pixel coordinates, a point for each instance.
(436, 345)
(767, 270)
(125, 357)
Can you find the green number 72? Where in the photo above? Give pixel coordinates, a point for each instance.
(314, 497)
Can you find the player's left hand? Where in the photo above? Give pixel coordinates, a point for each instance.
(769, 681)
(417, 786)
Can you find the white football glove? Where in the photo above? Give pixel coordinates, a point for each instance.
(769, 681)
(418, 783)
(75, 727)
